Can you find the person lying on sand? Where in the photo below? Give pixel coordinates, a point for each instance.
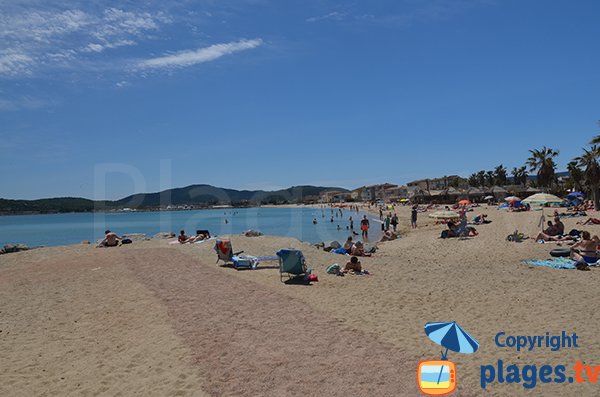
(542, 236)
(585, 251)
(388, 236)
(590, 221)
(110, 239)
(481, 219)
(353, 266)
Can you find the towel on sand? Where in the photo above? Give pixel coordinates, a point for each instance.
(556, 263)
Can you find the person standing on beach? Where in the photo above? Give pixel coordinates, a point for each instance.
(351, 223)
(387, 223)
(380, 214)
(413, 217)
(394, 221)
(364, 226)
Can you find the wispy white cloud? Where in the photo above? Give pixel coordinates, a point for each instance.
(193, 57)
(14, 63)
(22, 103)
(36, 39)
(336, 15)
(97, 47)
(404, 14)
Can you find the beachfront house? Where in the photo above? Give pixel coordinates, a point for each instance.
(334, 197)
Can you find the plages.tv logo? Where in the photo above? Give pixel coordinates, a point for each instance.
(438, 377)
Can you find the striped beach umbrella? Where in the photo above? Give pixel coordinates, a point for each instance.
(464, 202)
(452, 337)
(543, 198)
(443, 215)
(512, 198)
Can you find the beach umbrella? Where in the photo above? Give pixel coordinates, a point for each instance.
(542, 198)
(512, 198)
(488, 197)
(452, 337)
(464, 202)
(443, 215)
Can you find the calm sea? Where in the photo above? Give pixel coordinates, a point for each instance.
(63, 229)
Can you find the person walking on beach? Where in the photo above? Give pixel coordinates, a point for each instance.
(413, 217)
(380, 214)
(394, 221)
(364, 226)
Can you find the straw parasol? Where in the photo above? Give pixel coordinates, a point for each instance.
(542, 198)
(444, 215)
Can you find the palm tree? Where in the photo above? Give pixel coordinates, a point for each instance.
(589, 161)
(542, 160)
(500, 175)
(519, 175)
(490, 178)
(576, 174)
(481, 178)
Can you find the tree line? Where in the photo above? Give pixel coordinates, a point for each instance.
(584, 172)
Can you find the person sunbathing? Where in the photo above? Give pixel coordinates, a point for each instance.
(585, 251)
(348, 244)
(551, 230)
(358, 249)
(558, 225)
(481, 219)
(110, 239)
(590, 221)
(388, 235)
(353, 266)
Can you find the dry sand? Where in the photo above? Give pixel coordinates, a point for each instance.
(156, 319)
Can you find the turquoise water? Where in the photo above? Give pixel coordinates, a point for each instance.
(63, 229)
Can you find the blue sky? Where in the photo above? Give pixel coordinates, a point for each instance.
(106, 99)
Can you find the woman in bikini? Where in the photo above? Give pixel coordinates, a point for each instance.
(586, 251)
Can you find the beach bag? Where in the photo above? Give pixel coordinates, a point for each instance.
(574, 233)
(333, 269)
(126, 241)
(312, 277)
(444, 234)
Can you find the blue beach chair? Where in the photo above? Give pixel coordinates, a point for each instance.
(292, 262)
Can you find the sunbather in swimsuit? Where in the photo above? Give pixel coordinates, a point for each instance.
(586, 249)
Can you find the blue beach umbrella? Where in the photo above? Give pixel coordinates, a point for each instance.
(576, 195)
(452, 337)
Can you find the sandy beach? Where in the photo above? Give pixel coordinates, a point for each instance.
(163, 320)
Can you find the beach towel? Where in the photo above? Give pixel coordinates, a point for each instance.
(558, 263)
(555, 263)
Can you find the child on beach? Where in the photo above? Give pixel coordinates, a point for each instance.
(413, 217)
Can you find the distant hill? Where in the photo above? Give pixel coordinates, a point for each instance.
(194, 195)
(207, 194)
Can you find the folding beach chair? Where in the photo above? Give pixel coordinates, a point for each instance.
(225, 251)
(292, 262)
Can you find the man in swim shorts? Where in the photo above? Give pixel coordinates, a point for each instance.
(364, 226)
